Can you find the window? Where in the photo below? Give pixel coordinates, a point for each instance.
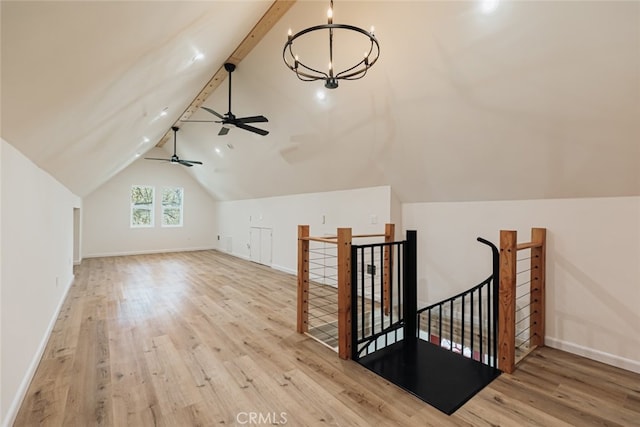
(141, 206)
(172, 198)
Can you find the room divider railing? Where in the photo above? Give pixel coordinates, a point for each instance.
(326, 298)
(380, 303)
(324, 285)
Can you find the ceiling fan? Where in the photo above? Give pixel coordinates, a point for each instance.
(174, 158)
(230, 120)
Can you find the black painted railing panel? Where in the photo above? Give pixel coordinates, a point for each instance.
(374, 323)
(466, 323)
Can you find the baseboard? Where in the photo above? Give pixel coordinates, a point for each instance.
(284, 269)
(274, 266)
(147, 252)
(12, 412)
(590, 353)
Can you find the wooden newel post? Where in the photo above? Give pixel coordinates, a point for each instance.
(303, 279)
(537, 291)
(389, 234)
(344, 293)
(507, 296)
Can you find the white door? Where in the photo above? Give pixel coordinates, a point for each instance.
(260, 245)
(254, 244)
(265, 246)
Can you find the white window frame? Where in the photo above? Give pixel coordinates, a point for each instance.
(134, 207)
(181, 207)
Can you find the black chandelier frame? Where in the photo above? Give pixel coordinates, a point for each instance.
(308, 74)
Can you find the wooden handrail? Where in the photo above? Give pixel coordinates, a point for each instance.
(319, 239)
(528, 245)
(334, 239)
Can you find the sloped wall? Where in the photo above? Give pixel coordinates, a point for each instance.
(36, 255)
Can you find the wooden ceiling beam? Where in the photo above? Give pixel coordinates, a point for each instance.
(264, 25)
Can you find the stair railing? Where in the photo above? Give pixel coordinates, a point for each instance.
(340, 309)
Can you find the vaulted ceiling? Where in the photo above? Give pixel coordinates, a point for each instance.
(478, 100)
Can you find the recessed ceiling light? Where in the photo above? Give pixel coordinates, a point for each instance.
(198, 56)
(164, 111)
(217, 150)
(230, 146)
(488, 6)
(145, 139)
(321, 95)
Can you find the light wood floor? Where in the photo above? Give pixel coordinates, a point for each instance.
(204, 339)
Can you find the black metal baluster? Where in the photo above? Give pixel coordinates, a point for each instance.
(373, 297)
(354, 303)
(462, 326)
(472, 325)
(451, 324)
(480, 318)
(382, 286)
(440, 324)
(362, 301)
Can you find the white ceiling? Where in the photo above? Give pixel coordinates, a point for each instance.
(530, 100)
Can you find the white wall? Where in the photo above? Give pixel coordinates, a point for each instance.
(593, 264)
(349, 208)
(106, 213)
(36, 254)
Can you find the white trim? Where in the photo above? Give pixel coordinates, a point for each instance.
(593, 354)
(145, 252)
(244, 257)
(12, 412)
(284, 269)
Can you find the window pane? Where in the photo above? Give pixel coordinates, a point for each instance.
(172, 206)
(141, 206)
(171, 216)
(142, 195)
(141, 217)
(172, 196)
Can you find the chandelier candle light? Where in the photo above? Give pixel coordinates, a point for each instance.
(307, 73)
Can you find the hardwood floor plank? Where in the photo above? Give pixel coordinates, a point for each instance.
(203, 338)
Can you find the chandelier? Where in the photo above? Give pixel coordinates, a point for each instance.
(307, 73)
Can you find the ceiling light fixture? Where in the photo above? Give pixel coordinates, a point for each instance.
(307, 73)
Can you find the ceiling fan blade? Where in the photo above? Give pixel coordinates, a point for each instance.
(213, 112)
(252, 129)
(223, 131)
(183, 163)
(252, 119)
(156, 158)
(192, 162)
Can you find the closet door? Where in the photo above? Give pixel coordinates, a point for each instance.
(266, 235)
(254, 244)
(260, 245)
